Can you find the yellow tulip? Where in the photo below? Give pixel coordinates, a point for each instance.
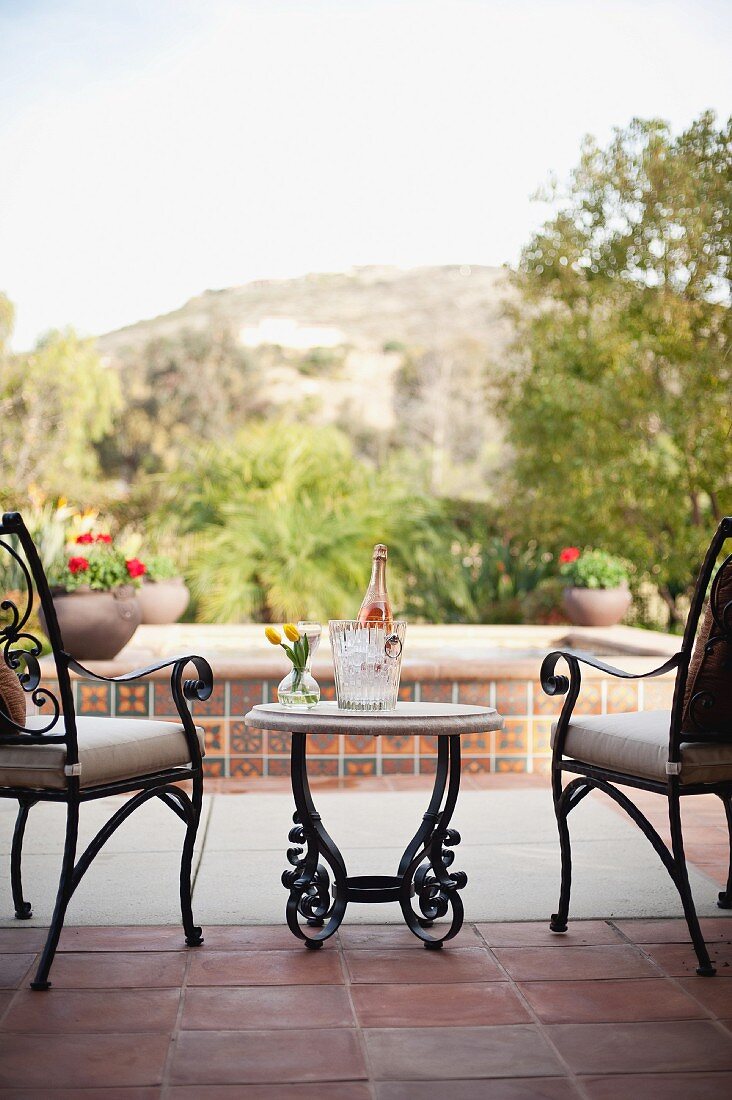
(273, 635)
(292, 633)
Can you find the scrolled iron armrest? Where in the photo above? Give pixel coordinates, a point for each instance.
(199, 689)
(559, 685)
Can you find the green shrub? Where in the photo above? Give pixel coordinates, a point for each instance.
(595, 569)
(160, 567)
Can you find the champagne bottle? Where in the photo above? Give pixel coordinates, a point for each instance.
(376, 607)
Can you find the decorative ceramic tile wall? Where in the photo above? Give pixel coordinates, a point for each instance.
(234, 750)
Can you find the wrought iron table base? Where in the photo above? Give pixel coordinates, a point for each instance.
(320, 887)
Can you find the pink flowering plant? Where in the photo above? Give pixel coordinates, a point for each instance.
(93, 561)
(592, 568)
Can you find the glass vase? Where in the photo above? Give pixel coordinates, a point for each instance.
(298, 689)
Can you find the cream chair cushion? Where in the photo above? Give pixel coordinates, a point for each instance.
(637, 744)
(110, 749)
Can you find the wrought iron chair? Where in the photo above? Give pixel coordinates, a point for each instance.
(59, 757)
(686, 751)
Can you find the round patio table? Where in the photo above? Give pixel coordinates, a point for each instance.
(319, 884)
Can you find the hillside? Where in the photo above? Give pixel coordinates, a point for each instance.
(394, 356)
(368, 306)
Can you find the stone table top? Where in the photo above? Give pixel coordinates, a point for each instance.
(432, 719)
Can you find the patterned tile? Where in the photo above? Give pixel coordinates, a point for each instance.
(514, 737)
(546, 704)
(215, 705)
(512, 697)
(360, 744)
(473, 765)
(406, 692)
(393, 744)
(475, 693)
(52, 687)
(214, 734)
(321, 765)
(94, 698)
(321, 743)
(214, 767)
(510, 764)
(427, 765)
(475, 743)
(541, 734)
(163, 704)
(542, 765)
(327, 692)
(246, 766)
(244, 740)
(590, 699)
(621, 697)
(132, 699)
(278, 766)
(244, 694)
(359, 765)
(397, 765)
(436, 691)
(278, 743)
(427, 746)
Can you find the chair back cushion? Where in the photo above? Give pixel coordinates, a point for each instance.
(12, 696)
(708, 696)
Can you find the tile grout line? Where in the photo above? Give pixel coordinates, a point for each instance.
(674, 978)
(172, 1045)
(569, 1073)
(345, 970)
(204, 838)
(21, 985)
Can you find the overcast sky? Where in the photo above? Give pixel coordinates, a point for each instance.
(152, 149)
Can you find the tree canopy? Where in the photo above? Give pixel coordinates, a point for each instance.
(179, 390)
(618, 403)
(284, 519)
(56, 403)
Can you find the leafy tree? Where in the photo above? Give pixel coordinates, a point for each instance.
(56, 402)
(179, 390)
(618, 404)
(442, 411)
(284, 519)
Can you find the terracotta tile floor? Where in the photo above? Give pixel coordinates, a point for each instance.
(506, 1012)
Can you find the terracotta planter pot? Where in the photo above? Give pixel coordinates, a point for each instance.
(163, 601)
(95, 626)
(596, 606)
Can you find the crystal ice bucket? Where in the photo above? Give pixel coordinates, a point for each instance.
(367, 661)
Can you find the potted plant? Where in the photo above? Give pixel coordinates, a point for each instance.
(164, 595)
(94, 595)
(597, 593)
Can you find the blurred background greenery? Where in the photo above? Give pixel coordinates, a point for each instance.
(603, 420)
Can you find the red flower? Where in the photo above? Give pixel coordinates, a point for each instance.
(135, 567)
(78, 565)
(569, 554)
(104, 538)
(86, 538)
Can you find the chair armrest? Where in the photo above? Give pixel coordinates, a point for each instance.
(559, 685)
(192, 689)
(180, 689)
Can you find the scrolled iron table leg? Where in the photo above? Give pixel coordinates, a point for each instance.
(424, 866)
(313, 896)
